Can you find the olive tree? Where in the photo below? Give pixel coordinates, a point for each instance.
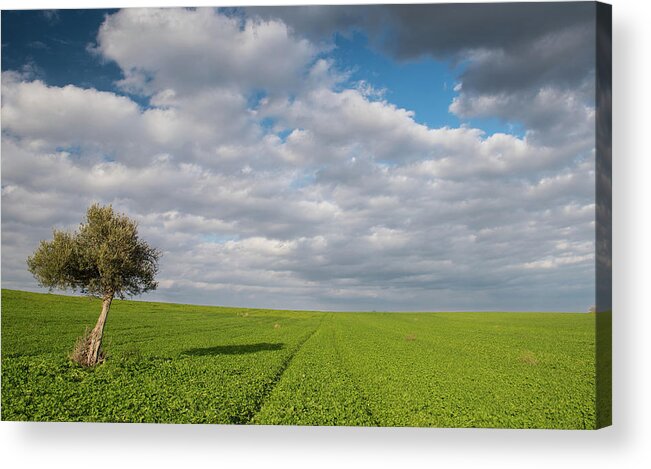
(104, 258)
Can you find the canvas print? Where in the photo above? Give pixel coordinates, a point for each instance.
(376, 215)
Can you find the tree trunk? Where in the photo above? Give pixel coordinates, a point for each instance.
(95, 341)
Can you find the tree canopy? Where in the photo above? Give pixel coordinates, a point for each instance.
(103, 257)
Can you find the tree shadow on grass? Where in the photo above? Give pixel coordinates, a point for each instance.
(233, 349)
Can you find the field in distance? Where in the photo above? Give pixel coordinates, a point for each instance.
(197, 364)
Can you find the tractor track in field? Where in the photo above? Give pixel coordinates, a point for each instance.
(279, 374)
(354, 381)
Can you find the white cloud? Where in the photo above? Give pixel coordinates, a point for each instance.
(348, 120)
(66, 115)
(188, 50)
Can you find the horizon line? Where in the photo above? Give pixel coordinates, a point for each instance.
(137, 299)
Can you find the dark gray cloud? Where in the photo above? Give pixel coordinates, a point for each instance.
(437, 29)
(540, 41)
(560, 57)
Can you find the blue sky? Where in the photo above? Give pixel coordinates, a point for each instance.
(343, 158)
(424, 86)
(57, 44)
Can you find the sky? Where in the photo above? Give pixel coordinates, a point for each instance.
(389, 158)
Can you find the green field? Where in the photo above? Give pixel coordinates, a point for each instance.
(197, 364)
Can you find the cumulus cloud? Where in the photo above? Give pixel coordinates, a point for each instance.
(185, 50)
(65, 115)
(269, 180)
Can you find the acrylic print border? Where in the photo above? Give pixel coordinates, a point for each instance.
(603, 254)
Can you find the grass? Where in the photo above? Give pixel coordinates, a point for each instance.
(195, 364)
